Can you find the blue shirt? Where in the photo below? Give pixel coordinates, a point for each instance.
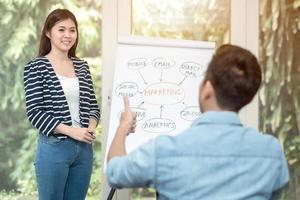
(216, 158)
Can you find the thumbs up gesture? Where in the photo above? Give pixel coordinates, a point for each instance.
(128, 118)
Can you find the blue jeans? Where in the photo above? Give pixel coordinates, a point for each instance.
(63, 168)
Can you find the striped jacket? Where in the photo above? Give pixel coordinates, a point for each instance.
(46, 104)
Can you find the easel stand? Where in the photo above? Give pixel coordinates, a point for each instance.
(111, 193)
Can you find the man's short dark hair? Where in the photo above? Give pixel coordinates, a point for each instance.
(235, 75)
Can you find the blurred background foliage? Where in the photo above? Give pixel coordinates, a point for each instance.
(20, 24)
(279, 96)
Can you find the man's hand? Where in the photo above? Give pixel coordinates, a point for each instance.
(128, 118)
(127, 125)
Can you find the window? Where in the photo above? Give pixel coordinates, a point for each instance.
(207, 20)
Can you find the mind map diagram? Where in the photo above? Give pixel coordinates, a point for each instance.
(157, 93)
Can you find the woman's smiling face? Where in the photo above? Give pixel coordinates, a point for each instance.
(63, 35)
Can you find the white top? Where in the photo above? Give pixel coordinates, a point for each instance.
(70, 86)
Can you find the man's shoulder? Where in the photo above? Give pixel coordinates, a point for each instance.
(250, 141)
(166, 142)
(264, 142)
(173, 144)
(271, 139)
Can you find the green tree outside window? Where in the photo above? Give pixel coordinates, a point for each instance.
(20, 26)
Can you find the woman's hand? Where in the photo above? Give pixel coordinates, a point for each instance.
(83, 135)
(92, 126)
(77, 133)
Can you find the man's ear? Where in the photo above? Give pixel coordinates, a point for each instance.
(207, 90)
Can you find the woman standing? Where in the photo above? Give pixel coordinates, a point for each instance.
(61, 104)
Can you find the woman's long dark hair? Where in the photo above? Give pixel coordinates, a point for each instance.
(54, 17)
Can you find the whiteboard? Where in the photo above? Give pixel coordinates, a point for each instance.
(161, 77)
